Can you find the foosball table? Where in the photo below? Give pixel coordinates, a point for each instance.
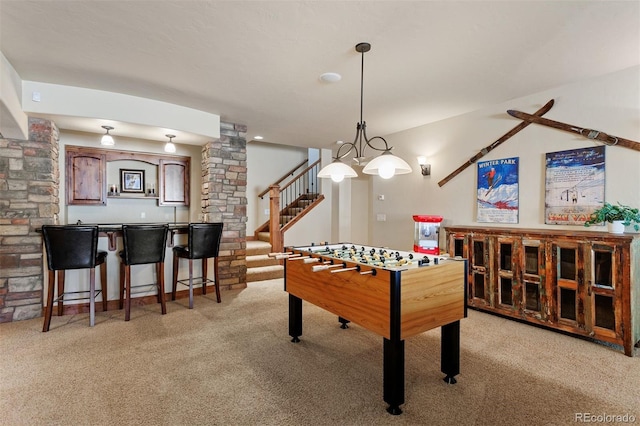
(395, 294)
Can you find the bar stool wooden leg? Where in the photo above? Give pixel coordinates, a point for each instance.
(204, 275)
(190, 283)
(49, 308)
(159, 272)
(161, 287)
(176, 259)
(103, 285)
(216, 282)
(61, 275)
(92, 297)
(122, 273)
(127, 300)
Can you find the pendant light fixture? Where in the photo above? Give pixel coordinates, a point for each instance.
(169, 146)
(107, 139)
(386, 165)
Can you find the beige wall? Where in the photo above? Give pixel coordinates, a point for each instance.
(610, 103)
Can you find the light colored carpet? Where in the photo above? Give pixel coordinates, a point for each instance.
(233, 364)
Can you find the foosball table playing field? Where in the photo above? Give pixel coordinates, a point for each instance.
(396, 294)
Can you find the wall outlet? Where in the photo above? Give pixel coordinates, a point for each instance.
(381, 217)
(143, 215)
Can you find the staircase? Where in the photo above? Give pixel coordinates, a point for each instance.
(260, 266)
(288, 204)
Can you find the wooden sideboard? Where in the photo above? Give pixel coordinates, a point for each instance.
(580, 282)
(86, 175)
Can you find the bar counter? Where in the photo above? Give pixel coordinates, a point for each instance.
(114, 230)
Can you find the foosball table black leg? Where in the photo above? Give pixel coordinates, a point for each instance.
(450, 351)
(393, 374)
(295, 318)
(344, 322)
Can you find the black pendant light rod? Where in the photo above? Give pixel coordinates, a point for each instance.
(362, 48)
(361, 128)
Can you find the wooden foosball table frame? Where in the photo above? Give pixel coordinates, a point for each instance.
(396, 301)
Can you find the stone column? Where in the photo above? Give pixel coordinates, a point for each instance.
(29, 188)
(224, 199)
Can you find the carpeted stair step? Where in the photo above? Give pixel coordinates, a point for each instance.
(285, 218)
(259, 260)
(254, 248)
(260, 266)
(263, 273)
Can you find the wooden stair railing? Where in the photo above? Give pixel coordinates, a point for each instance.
(287, 205)
(284, 176)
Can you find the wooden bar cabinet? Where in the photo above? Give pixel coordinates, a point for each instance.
(86, 175)
(580, 282)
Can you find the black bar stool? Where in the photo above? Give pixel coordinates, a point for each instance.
(73, 247)
(143, 244)
(204, 243)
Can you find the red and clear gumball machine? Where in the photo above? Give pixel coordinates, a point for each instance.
(425, 237)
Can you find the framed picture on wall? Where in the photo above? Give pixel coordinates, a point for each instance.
(498, 191)
(132, 181)
(574, 185)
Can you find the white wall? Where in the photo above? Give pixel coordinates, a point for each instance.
(72, 101)
(610, 103)
(13, 121)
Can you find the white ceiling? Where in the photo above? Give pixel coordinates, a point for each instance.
(258, 62)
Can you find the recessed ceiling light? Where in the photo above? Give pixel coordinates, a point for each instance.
(330, 77)
(258, 138)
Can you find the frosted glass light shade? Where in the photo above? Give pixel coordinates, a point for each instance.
(169, 147)
(107, 140)
(337, 171)
(386, 166)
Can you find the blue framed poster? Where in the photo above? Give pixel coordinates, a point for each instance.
(498, 191)
(574, 185)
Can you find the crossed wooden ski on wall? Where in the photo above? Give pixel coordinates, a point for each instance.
(587, 133)
(538, 119)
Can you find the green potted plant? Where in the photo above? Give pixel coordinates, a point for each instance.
(621, 214)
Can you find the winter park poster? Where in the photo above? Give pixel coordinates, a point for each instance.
(574, 183)
(498, 191)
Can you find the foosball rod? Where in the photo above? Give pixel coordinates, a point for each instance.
(280, 253)
(353, 268)
(317, 268)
